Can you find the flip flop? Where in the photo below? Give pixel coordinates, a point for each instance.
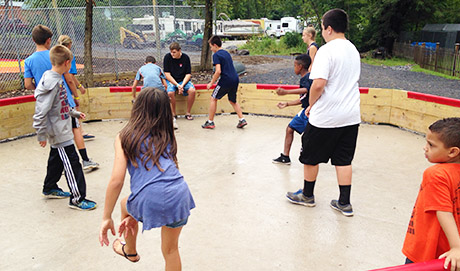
(88, 136)
(188, 117)
(123, 244)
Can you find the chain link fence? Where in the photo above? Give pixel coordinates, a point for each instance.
(122, 36)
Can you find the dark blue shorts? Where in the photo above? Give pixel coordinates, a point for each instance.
(299, 122)
(220, 92)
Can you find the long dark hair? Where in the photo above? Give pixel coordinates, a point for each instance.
(151, 125)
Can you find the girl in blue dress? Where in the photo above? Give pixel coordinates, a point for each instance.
(159, 197)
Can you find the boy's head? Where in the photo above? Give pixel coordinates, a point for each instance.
(335, 20)
(443, 141)
(308, 34)
(175, 50)
(301, 62)
(150, 59)
(60, 55)
(42, 35)
(215, 43)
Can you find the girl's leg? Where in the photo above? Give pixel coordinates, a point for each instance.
(170, 248)
(130, 237)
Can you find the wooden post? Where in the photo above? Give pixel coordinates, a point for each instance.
(456, 55)
(422, 56)
(436, 57)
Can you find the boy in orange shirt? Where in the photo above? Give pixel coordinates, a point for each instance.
(433, 227)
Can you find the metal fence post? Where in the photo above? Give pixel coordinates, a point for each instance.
(114, 45)
(157, 30)
(456, 55)
(436, 53)
(17, 48)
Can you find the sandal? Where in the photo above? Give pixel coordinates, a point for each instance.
(188, 117)
(127, 256)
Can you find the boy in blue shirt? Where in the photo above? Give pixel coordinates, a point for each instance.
(299, 122)
(39, 62)
(152, 74)
(228, 83)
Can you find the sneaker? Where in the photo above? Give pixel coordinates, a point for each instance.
(208, 125)
(283, 159)
(84, 205)
(175, 124)
(90, 164)
(346, 209)
(299, 198)
(241, 123)
(56, 194)
(88, 137)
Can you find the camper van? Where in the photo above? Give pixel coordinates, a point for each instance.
(291, 24)
(273, 28)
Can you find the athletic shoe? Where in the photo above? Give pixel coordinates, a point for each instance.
(56, 194)
(241, 123)
(84, 205)
(283, 159)
(208, 125)
(90, 164)
(175, 124)
(88, 137)
(299, 198)
(346, 209)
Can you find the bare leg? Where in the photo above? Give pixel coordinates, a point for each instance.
(237, 108)
(130, 237)
(288, 140)
(190, 99)
(212, 108)
(170, 248)
(310, 172)
(78, 137)
(172, 98)
(343, 174)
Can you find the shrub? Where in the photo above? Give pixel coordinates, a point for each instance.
(292, 39)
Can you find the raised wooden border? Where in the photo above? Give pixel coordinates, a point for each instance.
(411, 110)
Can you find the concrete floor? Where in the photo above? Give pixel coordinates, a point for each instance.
(242, 220)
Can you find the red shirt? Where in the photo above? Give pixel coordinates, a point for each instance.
(439, 191)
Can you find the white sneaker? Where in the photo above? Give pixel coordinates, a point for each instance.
(175, 124)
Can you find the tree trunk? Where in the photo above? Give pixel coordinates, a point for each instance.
(88, 55)
(205, 63)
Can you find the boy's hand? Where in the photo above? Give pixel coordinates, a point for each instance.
(282, 105)
(77, 103)
(42, 143)
(105, 227)
(82, 90)
(209, 86)
(453, 258)
(82, 116)
(180, 89)
(307, 111)
(281, 91)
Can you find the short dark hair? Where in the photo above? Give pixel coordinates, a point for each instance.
(41, 33)
(215, 40)
(337, 19)
(303, 60)
(448, 130)
(174, 46)
(150, 59)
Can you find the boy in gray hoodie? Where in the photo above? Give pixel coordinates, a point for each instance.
(52, 120)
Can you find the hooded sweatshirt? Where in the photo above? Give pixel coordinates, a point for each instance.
(52, 111)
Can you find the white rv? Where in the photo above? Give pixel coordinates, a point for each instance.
(291, 24)
(273, 28)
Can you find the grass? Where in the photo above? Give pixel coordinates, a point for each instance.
(271, 46)
(403, 62)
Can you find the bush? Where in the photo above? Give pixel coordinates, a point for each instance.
(292, 39)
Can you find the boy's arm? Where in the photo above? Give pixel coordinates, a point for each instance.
(449, 226)
(42, 107)
(316, 90)
(78, 84)
(134, 88)
(29, 84)
(215, 77)
(170, 78)
(282, 105)
(163, 81)
(282, 91)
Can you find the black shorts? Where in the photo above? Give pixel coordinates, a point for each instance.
(75, 123)
(321, 144)
(220, 92)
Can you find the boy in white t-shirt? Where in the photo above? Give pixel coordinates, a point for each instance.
(334, 113)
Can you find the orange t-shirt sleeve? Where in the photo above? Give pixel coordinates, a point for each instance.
(438, 192)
